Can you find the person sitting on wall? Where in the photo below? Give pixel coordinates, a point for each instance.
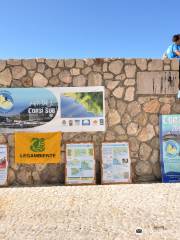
(173, 50)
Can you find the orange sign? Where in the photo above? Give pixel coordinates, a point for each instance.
(32, 148)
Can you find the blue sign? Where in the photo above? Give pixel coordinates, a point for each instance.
(170, 147)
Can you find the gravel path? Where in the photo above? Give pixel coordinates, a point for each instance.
(90, 212)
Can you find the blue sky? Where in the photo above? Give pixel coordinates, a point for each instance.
(87, 28)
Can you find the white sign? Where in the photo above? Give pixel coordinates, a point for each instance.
(82, 109)
(69, 109)
(80, 163)
(115, 162)
(3, 164)
(179, 94)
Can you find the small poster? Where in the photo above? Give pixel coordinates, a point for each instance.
(32, 148)
(170, 147)
(116, 162)
(3, 164)
(82, 109)
(80, 163)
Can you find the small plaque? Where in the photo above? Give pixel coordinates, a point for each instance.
(164, 82)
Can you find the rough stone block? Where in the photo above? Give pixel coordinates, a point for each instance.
(155, 65)
(5, 77)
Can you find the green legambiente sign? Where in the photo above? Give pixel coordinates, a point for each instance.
(38, 145)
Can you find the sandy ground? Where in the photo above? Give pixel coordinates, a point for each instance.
(112, 212)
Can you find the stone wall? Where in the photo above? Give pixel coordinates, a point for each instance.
(132, 108)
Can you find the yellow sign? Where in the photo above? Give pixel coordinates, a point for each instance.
(31, 148)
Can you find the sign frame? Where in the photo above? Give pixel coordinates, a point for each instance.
(95, 165)
(101, 164)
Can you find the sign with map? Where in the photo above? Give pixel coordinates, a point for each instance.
(80, 163)
(170, 147)
(82, 109)
(52, 109)
(36, 148)
(116, 164)
(3, 164)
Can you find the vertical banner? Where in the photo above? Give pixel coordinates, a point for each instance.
(170, 147)
(82, 109)
(80, 163)
(116, 164)
(3, 164)
(32, 148)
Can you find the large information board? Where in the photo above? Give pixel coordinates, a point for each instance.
(67, 109)
(170, 147)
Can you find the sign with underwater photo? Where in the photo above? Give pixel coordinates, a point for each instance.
(3, 164)
(80, 163)
(170, 147)
(116, 162)
(82, 109)
(28, 109)
(37, 148)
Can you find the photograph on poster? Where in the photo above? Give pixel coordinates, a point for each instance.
(3, 164)
(80, 163)
(27, 108)
(116, 164)
(82, 109)
(170, 147)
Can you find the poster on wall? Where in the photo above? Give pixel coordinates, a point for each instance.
(3, 164)
(82, 109)
(80, 163)
(36, 148)
(52, 109)
(170, 147)
(116, 164)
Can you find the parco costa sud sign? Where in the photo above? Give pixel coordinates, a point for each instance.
(170, 147)
(32, 148)
(69, 109)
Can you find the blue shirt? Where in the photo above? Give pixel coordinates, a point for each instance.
(171, 51)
